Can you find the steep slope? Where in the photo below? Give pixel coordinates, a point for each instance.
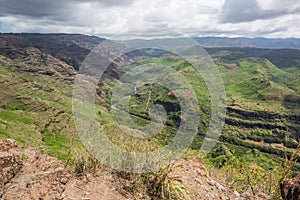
(36, 101)
(70, 48)
(36, 80)
(263, 101)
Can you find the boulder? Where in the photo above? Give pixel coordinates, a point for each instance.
(290, 189)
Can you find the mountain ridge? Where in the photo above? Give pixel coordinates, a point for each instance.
(265, 43)
(206, 41)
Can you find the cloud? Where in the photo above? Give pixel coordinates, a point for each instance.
(288, 5)
(46, 8)
(110, 3)
(236, 11)
(34, 8)
(191, 18)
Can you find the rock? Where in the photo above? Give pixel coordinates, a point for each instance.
(290, 189)
(212, 182)
(207, 187)
(263, 196)
(247, 196)
(64, 180)
(27, 173)
(10, 165)
(221, 187)
(237, 195)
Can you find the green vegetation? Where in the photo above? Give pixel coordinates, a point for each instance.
(260, 135)
(260, 131)
(35, 109)
(167, 186)
(250, 170)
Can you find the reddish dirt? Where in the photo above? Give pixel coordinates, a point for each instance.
(27, 173)
(193, 172)
(232, 66)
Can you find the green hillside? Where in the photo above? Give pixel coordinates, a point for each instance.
(35, 106)
(36, 83)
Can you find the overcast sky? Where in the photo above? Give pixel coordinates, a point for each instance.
(247, 18)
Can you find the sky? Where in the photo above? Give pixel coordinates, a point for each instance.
(229, 18)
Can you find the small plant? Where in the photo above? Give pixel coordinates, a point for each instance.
(167, 186)
(245, 174)
(289, 163)
(24, 156)
(162, 185)
(84, 163)
(133, 183)
(246, 177)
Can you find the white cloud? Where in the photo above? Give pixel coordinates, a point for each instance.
(272, 18)
(278, 4)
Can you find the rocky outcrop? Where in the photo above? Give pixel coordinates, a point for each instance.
(10, 165)
(27, 173)
(193, 172)
(290, 189)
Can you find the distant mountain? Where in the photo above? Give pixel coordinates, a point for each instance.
(289, 43)
(282, 58)
(283, 53)
(73, 48)
(265, 43)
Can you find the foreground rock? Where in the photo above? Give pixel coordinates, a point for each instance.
(193, 172)
(290, 189)
(26, 173)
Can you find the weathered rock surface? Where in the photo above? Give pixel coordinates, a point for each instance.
(193, 172)
(26, 173)
(290, 189)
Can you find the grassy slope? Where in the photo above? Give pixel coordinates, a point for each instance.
(253, 85)
(36, 108)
